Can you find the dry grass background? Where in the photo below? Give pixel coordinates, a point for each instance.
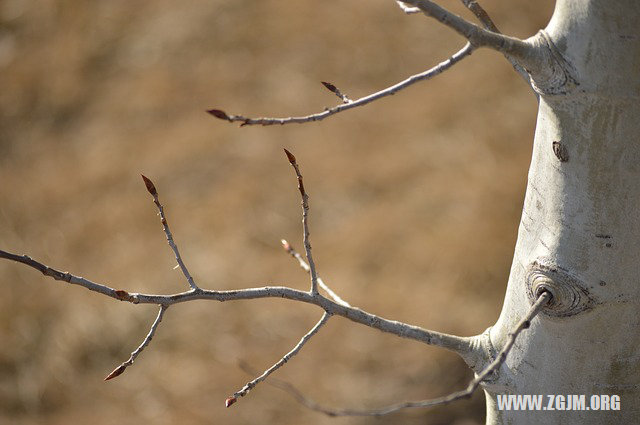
(415, 203)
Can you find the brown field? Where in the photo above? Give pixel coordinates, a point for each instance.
(415, 203)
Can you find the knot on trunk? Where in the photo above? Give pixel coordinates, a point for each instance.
(570, 295)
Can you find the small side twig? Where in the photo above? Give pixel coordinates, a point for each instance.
(305, 223)
(165, 226)
(333, 89)
(296, 255)
(430, 73)
(407, 9)
(494, 365)
(120, 369)
(250, 385)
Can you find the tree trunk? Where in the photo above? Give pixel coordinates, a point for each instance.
(579, 234)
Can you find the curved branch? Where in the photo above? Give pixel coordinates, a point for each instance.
(489, 369)
(430, 73)
(460, 345)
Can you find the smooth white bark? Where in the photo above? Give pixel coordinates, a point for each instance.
(579, 235)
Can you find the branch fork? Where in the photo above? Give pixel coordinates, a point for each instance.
(467, 348)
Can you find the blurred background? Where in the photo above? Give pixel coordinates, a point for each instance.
(415, 203)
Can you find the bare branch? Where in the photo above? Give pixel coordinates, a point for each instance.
(120, 369)
(291, 251)
(460, 345)
(477, 36)
(493, 366)
(250, 385)
(488, 23)
(305, 223)
(430, 73)
(481, 14)
(165, 226)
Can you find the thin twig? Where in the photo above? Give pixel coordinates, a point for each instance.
(296, 255)
(165, 226)
(430, 73)
(523, 324)
(118, 371)
(250, 385)
(305, 223)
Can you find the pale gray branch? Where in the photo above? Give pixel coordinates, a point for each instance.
(165, 227)
(493, 366)
(459, 345)
(477, 36)
(305, 223)
(430, 73)
(488, 23)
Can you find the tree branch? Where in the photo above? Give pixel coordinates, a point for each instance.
(165, 227)
(463, 346)
(305, 224)
(291, 251)
(250, 385)
(477, 36)
(430, 73)
(489, 369)
(459, 345)
(487, 22)
(118, 371)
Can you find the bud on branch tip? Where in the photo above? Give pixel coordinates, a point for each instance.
(330, 87)
(220, 114)
(116, 372)
(150, 186)
(290, 157)
(229, 401)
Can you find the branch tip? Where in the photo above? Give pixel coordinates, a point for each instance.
(290, 157)
(218, 113)
(116, 372)
(333, 89)
(150, 186)
(286, 245)
(229, 401)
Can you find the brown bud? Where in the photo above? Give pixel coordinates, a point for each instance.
(150, 187)
(333, 89)
(116, 372)
(229, 401)
(122, 295)
(290, 157)
(219, 114)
